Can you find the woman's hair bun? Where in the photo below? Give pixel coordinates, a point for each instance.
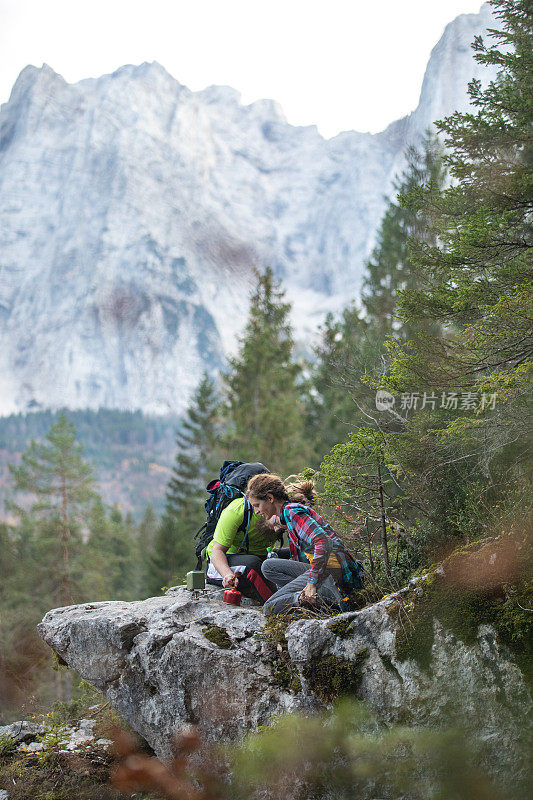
(302, 491)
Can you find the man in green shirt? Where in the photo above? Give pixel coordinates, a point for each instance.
(235, 557)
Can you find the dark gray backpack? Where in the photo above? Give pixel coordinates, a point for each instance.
(231, 483)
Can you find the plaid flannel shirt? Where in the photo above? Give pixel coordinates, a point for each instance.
(308, 532)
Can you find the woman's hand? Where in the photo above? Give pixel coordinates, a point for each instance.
(308, 595)
(230, 580)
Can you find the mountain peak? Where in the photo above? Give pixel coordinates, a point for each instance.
(133, 210)
(31, 76)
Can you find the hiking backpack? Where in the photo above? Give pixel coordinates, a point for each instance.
(232, 483)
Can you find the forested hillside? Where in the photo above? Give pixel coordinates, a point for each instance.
(131, 453)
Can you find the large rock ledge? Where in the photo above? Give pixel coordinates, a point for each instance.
(156, 666)
(153, 662)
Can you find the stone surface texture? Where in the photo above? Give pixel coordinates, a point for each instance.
(22, 731)
(132, 211)
(76, 737)
(153, 662)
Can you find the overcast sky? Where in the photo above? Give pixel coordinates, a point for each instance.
(339, 64)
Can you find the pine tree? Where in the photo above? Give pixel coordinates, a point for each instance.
(146, 533)
(63, 482)
(122, 545)
(7, 558)
(475, 281)
(389, 269)
(353, 354)
(98, 573)
(350, 349)
(197, 457)
(48, 537)
(112, 555)
(358, 474)
(476, 278)
(265, 411)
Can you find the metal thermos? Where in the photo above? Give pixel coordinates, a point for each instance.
(271, 553)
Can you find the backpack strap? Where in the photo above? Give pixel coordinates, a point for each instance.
(245, 524)
(201, 530)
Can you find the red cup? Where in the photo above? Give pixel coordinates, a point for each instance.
(232, 596)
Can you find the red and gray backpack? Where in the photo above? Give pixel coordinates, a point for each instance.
(231, 483)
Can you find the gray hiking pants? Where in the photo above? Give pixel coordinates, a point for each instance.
(290, 577)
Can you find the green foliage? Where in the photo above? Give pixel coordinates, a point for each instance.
(389, 270)
(48, 551)
(477, 278)
(359, 475)
(130, 451)
(349, 352)
(197, 460)
(264, 409)
(144, 545)
(446, 490)
(352, 354)
(346, 754)
(55, 473)
(450, 282)
(68, 548)
(51, 469)
(53, 739)
(112, 566)
(8, 744)
(83, 704)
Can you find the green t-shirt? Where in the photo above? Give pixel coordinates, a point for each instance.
(228, 535)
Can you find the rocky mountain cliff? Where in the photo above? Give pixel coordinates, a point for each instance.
(132, 211)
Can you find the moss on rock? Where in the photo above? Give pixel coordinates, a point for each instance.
(488, 583)
(331, 676)
(284, 673)
(389, 666)
(219, 636)
(343, 628)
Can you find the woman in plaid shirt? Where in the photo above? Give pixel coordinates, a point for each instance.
(320, 563)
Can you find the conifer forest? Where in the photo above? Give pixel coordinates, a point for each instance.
(411, 412)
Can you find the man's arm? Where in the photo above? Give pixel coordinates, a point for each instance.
(220, 563)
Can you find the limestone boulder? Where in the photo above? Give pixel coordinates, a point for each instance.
(175, 660)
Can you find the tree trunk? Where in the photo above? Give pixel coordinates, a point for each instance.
(65, 537)
(68, 686)
(383, 525)
(59, 686)
(369, 544)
